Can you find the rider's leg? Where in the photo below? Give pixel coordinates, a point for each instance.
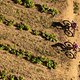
(73, 33)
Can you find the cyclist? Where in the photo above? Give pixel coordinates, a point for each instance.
(75, 46)
(74, 26)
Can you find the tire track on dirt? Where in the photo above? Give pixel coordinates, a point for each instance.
(68, 14)
(73, 70)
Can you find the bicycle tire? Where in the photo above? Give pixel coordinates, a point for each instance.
(68, 33)
(66, 22)
(69, 54)
(68, 44)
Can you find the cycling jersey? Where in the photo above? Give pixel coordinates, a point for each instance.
(73, 25)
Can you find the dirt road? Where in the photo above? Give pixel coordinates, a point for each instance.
(69, 15)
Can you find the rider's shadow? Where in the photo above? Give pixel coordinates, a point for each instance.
(63, 27)
(58, 25)
(59, 45)
(39, 7)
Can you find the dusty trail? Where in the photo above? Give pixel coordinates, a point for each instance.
(69, 15)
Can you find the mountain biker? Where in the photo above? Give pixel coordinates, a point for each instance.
(75, 46)
(74, 26)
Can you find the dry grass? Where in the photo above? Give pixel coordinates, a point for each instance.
(26, 41)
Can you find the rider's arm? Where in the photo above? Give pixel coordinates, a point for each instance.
(77, 27)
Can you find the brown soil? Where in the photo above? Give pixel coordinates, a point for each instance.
(67, 69)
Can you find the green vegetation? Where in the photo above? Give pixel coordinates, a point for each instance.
(26, 3)
(49, 10)
(44, 8)
(35, 32)
(76, 7)
(13, 77)
(18, 1)
(22, 26)
(47, 36)
(50, 37)
(53, 11)
(51, 64)
(1, 18)
(41, 60)
(8, 22)
(3, 76)
(28, 56)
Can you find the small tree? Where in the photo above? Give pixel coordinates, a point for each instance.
(28, 3)
(18, 1)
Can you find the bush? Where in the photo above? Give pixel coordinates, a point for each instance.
(50, 37)
(8, 22)
(22, 26)
(44, 8)
(18, 1)
(51, 64)
(28, 3)
(28, 56)
(3, 75)
(13, 77)
(35, 32)
(49, 10)
(20, 78)
(2, 18)
(76, 7)
(26, 27)
(53, 11)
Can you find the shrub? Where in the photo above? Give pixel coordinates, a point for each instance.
(50, 37)
(1, 47)
(43, 59)
(76, 7)
(49, 64)
(26, 27)
(22, 26)
(34, 60)
(20, 78)
(3, 75)
(14, 77)
(1, 18)
(53, 11)
(28, 56)
(49, 10)
(44, 8)
(18, 1)
(28, 3)
(8, 22)
(35, 32)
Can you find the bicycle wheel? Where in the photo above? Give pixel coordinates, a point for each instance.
(68, 33)
(68, 44)
(69, 54)
(66, 22)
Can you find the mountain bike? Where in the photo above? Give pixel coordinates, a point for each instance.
(67, 48)
(67, 28)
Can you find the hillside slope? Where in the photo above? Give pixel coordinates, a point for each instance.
(38, 45)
